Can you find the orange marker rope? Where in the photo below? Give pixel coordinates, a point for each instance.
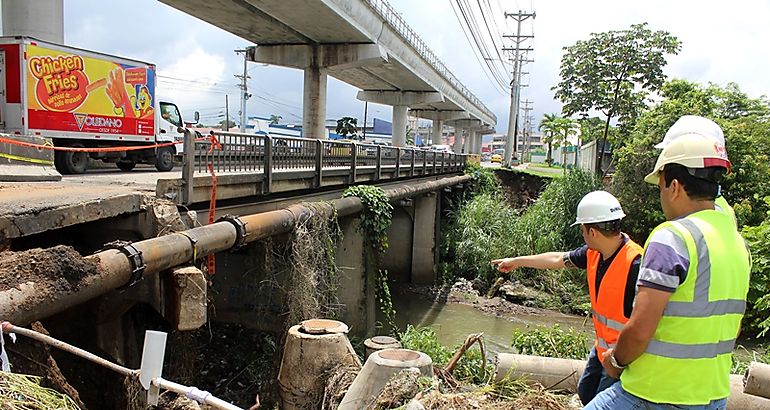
(211, 265)
(104, 149)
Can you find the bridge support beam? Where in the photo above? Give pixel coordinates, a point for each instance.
(470, 142)
(316, 60)
(424, 238)
(357, 281)
(458, 145)
(314, 102)
(399, 125)
(436, 132)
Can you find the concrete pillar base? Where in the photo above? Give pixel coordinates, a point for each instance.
(356, 286)
(399, 125)
(306, 356)
(314, 102)
(424, 240)
(376, 372)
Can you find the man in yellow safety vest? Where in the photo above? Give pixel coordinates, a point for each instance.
(676, 349)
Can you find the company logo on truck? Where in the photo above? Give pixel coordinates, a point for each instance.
(104, 124)
(61, 81)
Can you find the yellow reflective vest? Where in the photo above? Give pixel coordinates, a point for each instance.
(688, 359)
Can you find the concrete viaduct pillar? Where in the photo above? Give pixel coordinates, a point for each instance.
(400, 100)
(399, 125)
(314, 102)
(316, 60)
(42, 19)
(437, 132)
(458, 145)
(425, 239)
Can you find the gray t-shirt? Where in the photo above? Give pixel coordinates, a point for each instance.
(665, 261)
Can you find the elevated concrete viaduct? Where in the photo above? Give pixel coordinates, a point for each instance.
(364, 43)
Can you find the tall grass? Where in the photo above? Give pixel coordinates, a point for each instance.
(485, 227)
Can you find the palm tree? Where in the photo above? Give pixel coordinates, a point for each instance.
(565, 128)
(275, 119)
(550, 129)
(347, 126)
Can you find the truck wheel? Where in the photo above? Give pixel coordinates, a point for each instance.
(127, 165)
(71, 162)
(164, 160)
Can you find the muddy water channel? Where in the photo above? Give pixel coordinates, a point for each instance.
(453, 321)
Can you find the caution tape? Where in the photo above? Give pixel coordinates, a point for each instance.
(26, 159)
(48, 146)
(211, 263)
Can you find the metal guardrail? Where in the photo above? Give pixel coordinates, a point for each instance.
(232, 152)
(394, 19)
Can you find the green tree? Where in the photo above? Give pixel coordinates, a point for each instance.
(613, 73)
(226, 124)
(275, 119)
(550, 130)
(565, 128)
(348, 126)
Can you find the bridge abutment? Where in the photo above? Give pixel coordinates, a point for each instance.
(357, 280)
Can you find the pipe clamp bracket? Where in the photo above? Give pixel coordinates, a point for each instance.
(134, 257)
(240, 230)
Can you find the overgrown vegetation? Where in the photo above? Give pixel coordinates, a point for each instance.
(551, 342)
(313, 281)
(470, 369)
(375, 220)
(22, 392)
(484, 227)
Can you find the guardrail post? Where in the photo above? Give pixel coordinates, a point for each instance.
(267, 184)
(434, 161)
(353, 162)
(424, 162)
(411, 168)
(378, 169)
(188, 167)
(398, 163)
(319, 162)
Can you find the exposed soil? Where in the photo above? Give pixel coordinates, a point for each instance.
(521, 189)
(466, 295)
(52, 270)
(231, 362)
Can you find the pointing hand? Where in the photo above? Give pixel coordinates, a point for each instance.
(505, 265)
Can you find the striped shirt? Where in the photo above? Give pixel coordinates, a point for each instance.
(665, 261)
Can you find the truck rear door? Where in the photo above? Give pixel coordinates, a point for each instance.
(2, 89)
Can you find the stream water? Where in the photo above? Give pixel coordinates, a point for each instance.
(454, 322)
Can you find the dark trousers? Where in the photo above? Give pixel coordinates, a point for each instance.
(594, 379)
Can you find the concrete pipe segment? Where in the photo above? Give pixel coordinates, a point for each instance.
(757, 381)
(312, 348)
(563, 374)
(379, 368)
(380, 343)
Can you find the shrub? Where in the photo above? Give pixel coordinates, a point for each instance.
(469, 369)
(757, 319)
(551, 342)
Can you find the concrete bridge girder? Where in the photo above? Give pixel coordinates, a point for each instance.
(400, 100)
(316, 60)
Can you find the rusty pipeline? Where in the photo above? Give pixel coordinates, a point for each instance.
(24, 304)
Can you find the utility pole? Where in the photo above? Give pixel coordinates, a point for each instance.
(527, 123)
(244, 88)
(510, 144)
(226, 124)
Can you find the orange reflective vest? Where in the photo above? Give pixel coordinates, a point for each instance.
(607, 301)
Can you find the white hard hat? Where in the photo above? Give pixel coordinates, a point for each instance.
(691, 151)
(598, 206)
(693, 125)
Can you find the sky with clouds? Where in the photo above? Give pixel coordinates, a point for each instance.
(721, 42)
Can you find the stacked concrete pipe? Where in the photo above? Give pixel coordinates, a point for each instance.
(379, 368)
(312, 348)
(563, 374)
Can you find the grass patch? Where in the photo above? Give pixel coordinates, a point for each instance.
(22, 392)
(551, 342)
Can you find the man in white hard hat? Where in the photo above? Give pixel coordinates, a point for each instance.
(611, 261)
(705, 128)
(676, 349)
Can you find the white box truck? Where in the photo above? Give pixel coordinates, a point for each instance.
(84, 99)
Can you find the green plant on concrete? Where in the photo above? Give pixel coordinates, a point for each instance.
(313, 281)
(551, 342)
(742, 358)
(374, 223)
(468, 370)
